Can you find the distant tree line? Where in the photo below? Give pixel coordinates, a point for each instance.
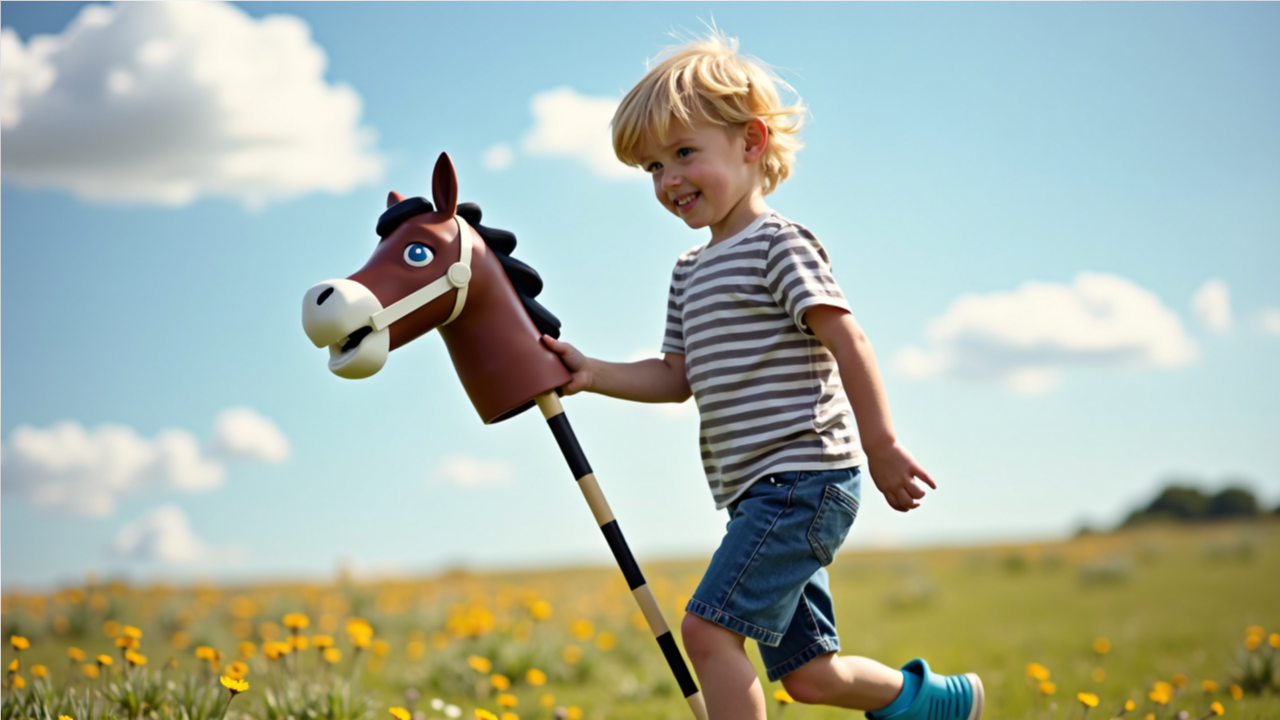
(1186, 503)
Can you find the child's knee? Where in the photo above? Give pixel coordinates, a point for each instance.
(809, 683)
(703, 638)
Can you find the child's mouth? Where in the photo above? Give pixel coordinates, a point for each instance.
(686, 203)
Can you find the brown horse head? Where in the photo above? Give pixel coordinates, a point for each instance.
(435, 266)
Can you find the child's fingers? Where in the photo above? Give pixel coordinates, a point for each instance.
(921, 474)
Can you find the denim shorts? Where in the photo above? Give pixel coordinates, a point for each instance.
(768, 579)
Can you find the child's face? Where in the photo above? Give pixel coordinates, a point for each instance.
(708, 175)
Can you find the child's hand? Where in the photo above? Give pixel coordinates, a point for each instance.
(575, 361)
(895, 474)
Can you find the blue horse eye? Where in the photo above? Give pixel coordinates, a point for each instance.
(418, 255)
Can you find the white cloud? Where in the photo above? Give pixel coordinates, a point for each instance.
(68, 468)
(1269, 321)
(470, 472)
(163, 535)
(566, 124)
(1212, 306)
(242, 434)
(165, 102)
(498, 157)
(1025, 339)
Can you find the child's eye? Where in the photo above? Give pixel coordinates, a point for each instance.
(653, 167)
(684, 152)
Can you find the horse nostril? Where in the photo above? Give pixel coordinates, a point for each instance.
(324, 295)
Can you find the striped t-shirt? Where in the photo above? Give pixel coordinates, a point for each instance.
(768, 392)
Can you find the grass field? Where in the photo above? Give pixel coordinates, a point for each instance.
(1110, 615)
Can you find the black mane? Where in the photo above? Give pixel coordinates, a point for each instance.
(527, 282)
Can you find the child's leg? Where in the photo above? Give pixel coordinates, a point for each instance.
(857, 683)
(729, 681)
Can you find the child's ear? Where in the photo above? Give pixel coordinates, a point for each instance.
(756, 134)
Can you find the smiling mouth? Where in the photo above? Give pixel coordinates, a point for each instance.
(352, 341)
(683, 202)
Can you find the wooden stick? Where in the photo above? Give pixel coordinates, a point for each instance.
(551, 409)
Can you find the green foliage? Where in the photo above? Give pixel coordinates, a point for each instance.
(1187, 503)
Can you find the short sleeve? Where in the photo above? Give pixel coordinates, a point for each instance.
(673, 340)
(798, 274)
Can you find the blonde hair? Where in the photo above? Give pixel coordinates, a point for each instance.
(707, 80)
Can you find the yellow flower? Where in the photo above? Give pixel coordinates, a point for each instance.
(358, 626)
(606, 641)
(1217, 709)
(583, 629)
(573, 713)
(1163, 688)
(246, 649)
(1253, 642)
(399, 713)
(133, 632)
(111, 628)
(507, 700)
(572, 654)
(381, 648)
(105, 660)
(296, 621)
(18, 682)
(1274, 640)
(238, 670)
(299, 642)
(13, 665)
(65, 717)
(1237, 692)
(540, 610)
(1179, 681)
(235, 685)
(128, 643)
(1089, 700)
(1046, 687)
(135, 658)
(1129, 705)
(1158, 697)
(1098, 675)
(1255, 630)
(1038, 672)
(320, 642)
(535, 677)
(510, 716)
(331, 655)
(1102, 646)
(547, 700)
(1210, 687)
(499, 681)
(39, 671)
(19, 643)
(782, 696)
(485, 715)
(204, 652)
(76, 654)
(90, 671)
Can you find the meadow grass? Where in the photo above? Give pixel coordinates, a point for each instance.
(1110, 615)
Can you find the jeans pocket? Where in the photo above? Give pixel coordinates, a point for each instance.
(832, 522)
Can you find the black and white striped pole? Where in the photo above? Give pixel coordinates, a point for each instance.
(553, 411)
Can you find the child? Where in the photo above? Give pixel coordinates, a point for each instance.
(761, 335)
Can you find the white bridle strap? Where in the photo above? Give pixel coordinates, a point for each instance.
(457, 278)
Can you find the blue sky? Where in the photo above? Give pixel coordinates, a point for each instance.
(1058, 223)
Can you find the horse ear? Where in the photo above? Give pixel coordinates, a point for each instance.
(393, 197)
(444, 185)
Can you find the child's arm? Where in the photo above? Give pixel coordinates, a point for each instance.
(653, 381)
(892, 467)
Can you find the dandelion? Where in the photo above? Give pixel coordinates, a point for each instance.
(296, 622)
(1274, 640)
(507, 700)
(13, 665)
(75, 654)
(583, 630)
(246, 649)
(1046, 687)
(399, 713)
(479, 664)
(124, 642)
(1089, 700)
(1037, 672)
(1102, 646)
(1128, 706)
(1209, 687)
(234, 686)
(18, 682)
(509, 716)
(204, 652)
(40, 671)
(1237, 692)
(381, 648)
(606, 641)
(276, 650)
(135, 659)
(111, 628)
(1216, 710)
(19, 643)
(1253, 642)
(572, 654)
(104, 661)
(574, 713)
(783, 696)
(238, 670)
(132, 632)
(1179, 681)
(320, 642)
(90, 671)
(1159, 696)
(65, 717)
(540, 610)
(331, 655)
(535, 677)
(298, 642)
(482, 714)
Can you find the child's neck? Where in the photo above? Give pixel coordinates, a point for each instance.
(748, 209)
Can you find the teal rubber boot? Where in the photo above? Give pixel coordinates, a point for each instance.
(941, 697)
